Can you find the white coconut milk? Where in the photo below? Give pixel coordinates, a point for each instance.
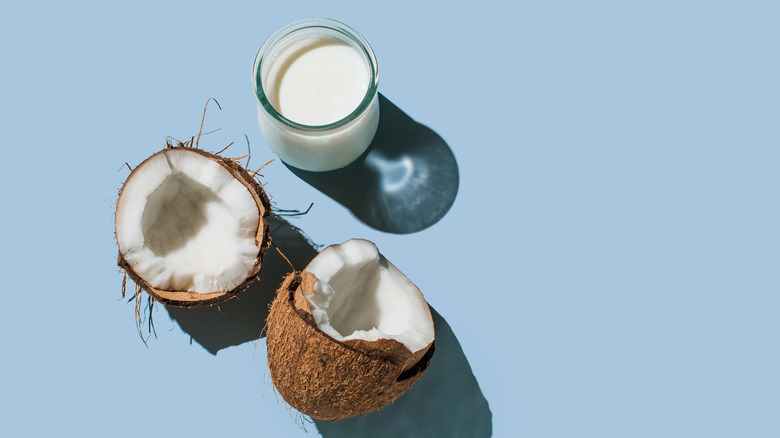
(317, 80)
(319, 83)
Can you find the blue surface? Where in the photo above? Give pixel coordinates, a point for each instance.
(608, 267)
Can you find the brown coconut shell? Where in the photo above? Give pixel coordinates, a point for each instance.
(327, 379)
(262, 239)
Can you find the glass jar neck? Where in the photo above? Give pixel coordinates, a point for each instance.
(312, 28)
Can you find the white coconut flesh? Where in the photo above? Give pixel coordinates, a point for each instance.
(360, 295)
(185, 223)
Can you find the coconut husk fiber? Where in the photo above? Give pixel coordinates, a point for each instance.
(262, 239)
(322, 377)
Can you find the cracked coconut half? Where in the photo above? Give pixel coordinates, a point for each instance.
(190, 226)
(349, 334)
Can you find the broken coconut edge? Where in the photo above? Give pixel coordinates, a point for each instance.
(262, 238)
(328, 379)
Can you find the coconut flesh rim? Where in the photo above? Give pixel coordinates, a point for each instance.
(360, 295)
(186, 223)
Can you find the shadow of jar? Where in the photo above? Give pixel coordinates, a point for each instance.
(406, 181)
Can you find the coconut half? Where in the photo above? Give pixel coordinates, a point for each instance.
(190, 227)
(349, 334)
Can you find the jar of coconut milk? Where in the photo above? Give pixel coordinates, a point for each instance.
(316, 84)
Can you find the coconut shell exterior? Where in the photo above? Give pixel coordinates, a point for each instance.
(327, 379)
(262, 240)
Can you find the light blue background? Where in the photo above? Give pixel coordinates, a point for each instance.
(610, 265)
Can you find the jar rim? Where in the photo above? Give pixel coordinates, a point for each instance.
(313, 23)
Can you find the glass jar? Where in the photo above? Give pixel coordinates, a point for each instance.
(298, 65)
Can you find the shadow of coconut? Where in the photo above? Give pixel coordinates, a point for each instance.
(242, 318)
(405, 182)
(445, 402)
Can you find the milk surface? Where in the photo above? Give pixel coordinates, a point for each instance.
(319, 81)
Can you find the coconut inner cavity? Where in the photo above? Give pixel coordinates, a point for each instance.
(360, 295)
(175, 213)
(185, 223)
